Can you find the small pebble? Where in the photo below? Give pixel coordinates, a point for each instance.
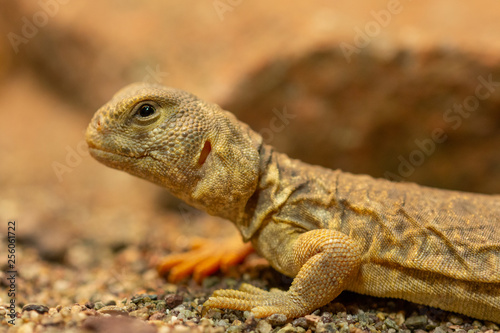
(130, 307)
(492, 326)
(248, 314)
(98, 305)
(90, 312)
(173, 300)
(76, 309)
(206, 322)
(263, 327)
(439, 330)
(214, 314)
(250, 324)
(415, 322)
(312, 319)
(221, 323)
(52, 321)
(157, 316)
(400, 318)
(141, 313)
(327, 317)
(140, 298)
(363, 318)
(113, 310)
(290, 329)
(185, 314)
(300, 322)
(36, 307)
(455, 320)
(34, 316)
(277, 319)
(237, 322)
(234, 329)
(391, 323)
(65, 312)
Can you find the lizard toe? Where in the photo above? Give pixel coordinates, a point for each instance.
(260, 302)
(205, 258)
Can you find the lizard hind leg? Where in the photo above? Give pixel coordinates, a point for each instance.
(205, 258)
(323, 260)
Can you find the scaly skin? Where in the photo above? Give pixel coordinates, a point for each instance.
(328, 229)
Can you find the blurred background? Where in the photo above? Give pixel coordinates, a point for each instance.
(406, 90)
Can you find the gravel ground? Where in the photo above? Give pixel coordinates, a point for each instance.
(123, 293)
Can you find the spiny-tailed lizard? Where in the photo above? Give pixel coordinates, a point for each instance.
(330, 230)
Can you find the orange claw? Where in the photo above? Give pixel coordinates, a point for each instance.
(205, 258)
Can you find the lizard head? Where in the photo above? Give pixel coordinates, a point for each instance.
(201, 153)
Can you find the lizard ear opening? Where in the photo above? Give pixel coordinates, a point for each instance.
(207, 148)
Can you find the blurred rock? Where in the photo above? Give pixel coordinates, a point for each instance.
(380, 114)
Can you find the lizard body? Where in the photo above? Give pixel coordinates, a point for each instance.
(329, 229)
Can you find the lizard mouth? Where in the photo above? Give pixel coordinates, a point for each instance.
(111, 159)
(98, 152)
(145, 166)
(117, 160)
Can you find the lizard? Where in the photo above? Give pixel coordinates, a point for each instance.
(328, 229)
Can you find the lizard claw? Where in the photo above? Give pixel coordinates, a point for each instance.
(260, 302)
(204, 258)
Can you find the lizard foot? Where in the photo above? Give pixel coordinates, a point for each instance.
(260, 302)
(204, 258)
(323, 261)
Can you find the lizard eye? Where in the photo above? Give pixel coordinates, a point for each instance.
(146, 113)
(146, 110)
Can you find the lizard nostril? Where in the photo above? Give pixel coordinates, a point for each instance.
(98, 124)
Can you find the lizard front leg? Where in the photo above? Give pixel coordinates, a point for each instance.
(323, 261)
